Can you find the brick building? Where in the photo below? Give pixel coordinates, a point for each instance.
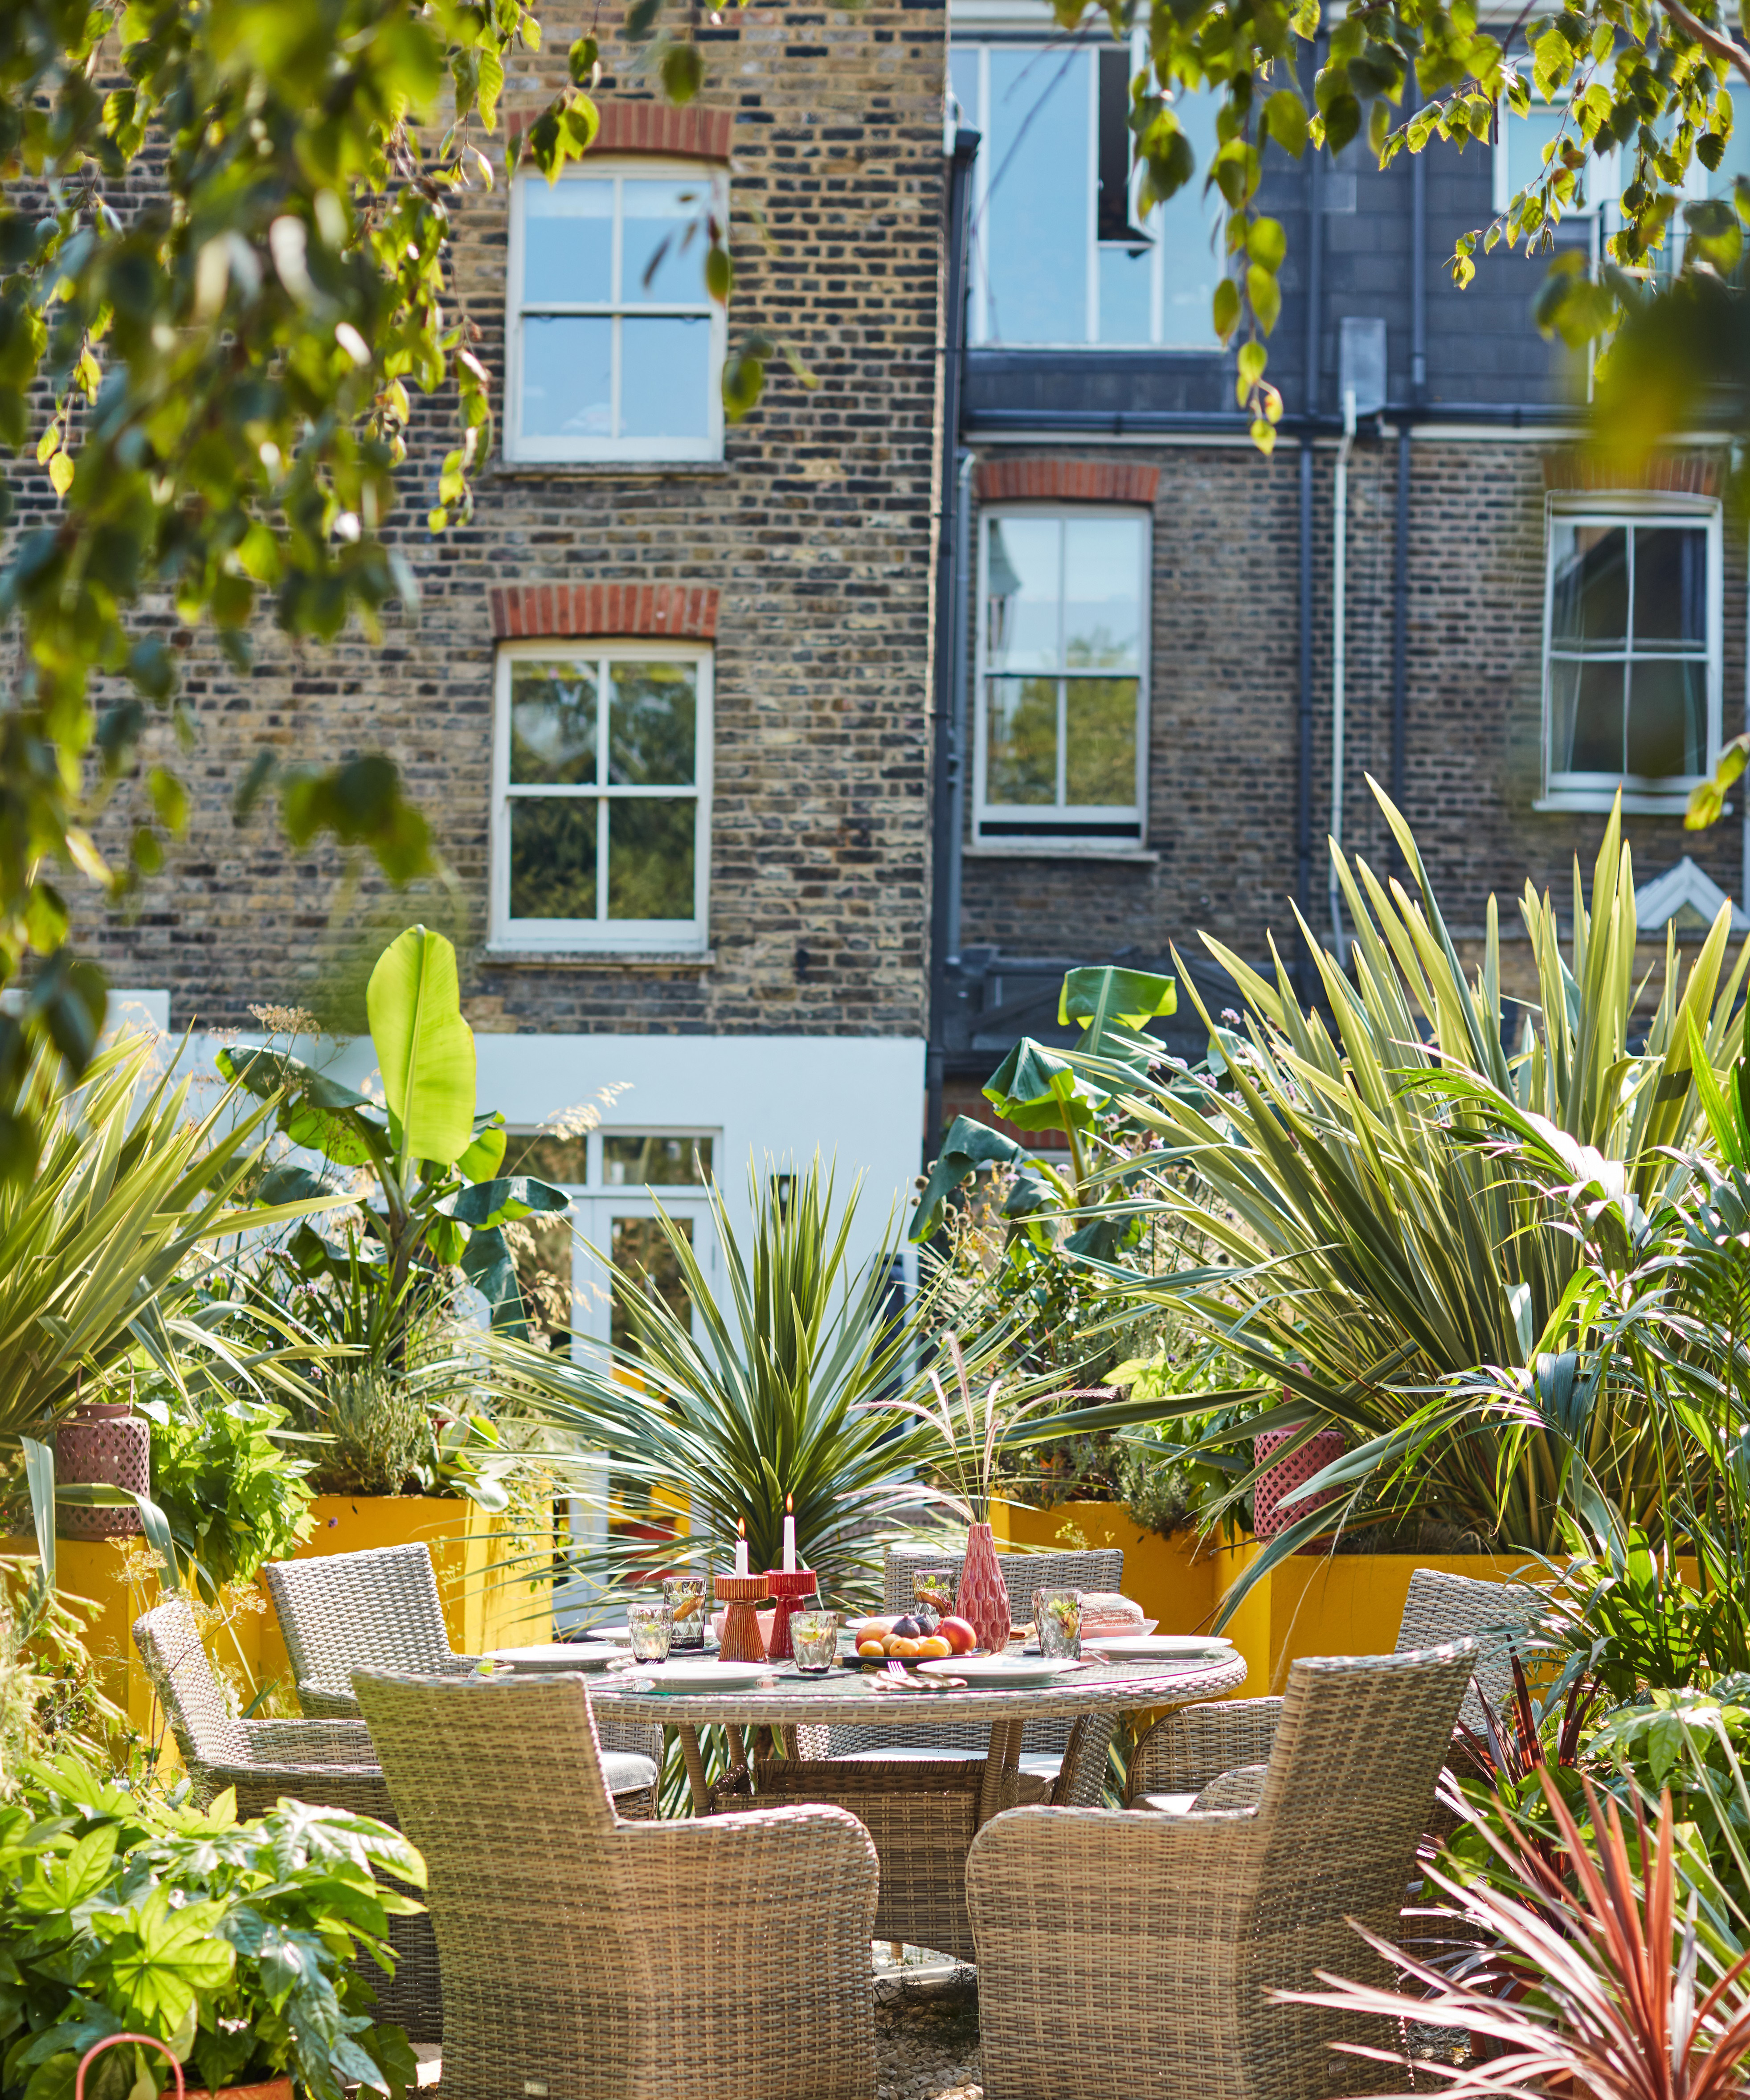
(1143, 698)
(666, 698)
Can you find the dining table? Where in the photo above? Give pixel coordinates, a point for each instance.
(785, 1701)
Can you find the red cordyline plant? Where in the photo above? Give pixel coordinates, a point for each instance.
(1595, 1991)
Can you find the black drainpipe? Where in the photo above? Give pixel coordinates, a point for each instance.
(944, 803)
(1303, 834)
(1400, 630)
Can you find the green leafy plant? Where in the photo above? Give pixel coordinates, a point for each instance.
(231, 1942)
(1378, 1247)
(99, 1249)
(232, 1490)
(432, 1198)
(1694, 1746)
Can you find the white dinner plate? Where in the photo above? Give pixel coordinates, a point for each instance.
(1151, 1648)
(1015, 1673)
(558, 1655)
(694, 1677)
(1131, 1630)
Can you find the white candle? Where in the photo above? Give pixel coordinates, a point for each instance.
(741, 1547)
(790, 1538)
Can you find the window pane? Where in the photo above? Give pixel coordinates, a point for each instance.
(1668, 718)
(568, 241)
(552, 724)
(640, 1253)
(541, 1255)
(1590, 600)
(1022, 582)
(1099, 737)
(568, 376)
(1523, 139)
(1187, 225)
(963, 83)
(666, 1162)
(548, 1155)
(1021, 744)
(665, 377)
(1586, 711)
(552, 857)
(1103, 559)
(662, 242)
(651, 726)
(650, 847)
(1126, 294)
(1670, 586)
(1038, 211)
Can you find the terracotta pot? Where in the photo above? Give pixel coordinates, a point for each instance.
(982, 1599)
(273, 2088)
(1314, 1456)
(102, 1441)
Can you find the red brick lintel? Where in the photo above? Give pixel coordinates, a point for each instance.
(1066, 481)
(1665, 473)
(689, 134)
(533, 612)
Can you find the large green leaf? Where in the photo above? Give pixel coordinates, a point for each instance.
(1035, 1089)
(507, 1197)
(424, 1047)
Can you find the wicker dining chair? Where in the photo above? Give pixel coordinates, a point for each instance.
(721, 1959)
(328, 1763)
(1187, 1750)
(380, 1610)
(1131, 1957)
(1043, 1743)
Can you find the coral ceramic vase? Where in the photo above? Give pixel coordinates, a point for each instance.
(1268, 1516)
(106, 1442)
(982, 1598)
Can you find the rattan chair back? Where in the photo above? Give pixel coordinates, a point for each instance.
(583, 1956)
(1189, 1922)
(1497, 1615)
(207, 1732)
(376, 1610)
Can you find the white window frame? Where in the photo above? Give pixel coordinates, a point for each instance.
(1049, 49)
(615, 167)
(1603, 181)
(600, 935)
(1597, 791)
(1030, 827)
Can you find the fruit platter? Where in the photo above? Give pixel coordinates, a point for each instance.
(916, 1636)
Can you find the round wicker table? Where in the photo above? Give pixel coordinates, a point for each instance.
(851, 1699)
(922, 1809)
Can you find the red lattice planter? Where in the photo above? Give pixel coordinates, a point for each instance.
(982, 1599)
(1314, 1456)
(103, 1442)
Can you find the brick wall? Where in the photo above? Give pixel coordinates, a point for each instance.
(1224, 673)
(813, 538)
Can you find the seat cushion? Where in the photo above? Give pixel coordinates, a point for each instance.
(1038, 1769)
(627, 1772)
(1165, 1804)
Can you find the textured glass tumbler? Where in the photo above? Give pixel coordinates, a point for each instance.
(1057, 1613)
(684, 1594)
(651, 1627)
(814, 1638)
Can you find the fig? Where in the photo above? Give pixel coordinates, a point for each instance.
(908, 1628)
(927, 1620)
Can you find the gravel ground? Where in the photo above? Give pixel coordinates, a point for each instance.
(926, 2039)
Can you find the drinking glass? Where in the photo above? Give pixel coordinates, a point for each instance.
(935, 1587)
(814, 1638)
(651, 1627)
(1057, 1613)
(684, 1594)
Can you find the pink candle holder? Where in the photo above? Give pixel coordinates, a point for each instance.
(787, 1592)
(740, 1640)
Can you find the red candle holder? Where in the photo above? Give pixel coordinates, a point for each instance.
(787, 1593)
(741, 1641)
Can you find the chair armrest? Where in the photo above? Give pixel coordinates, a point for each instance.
(802, 1877)
(324, 1702)
(1242, 1788)
(354, 1789)
(310, 1742)
(1184, 1752)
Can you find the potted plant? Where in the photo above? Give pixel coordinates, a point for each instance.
(230, 1942)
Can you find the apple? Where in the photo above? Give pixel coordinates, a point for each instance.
(959, 1637)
